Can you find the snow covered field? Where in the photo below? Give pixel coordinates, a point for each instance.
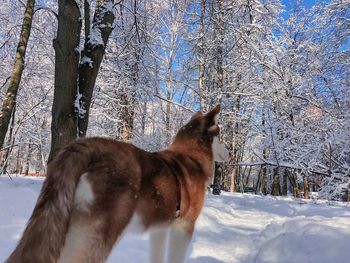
(232, 228)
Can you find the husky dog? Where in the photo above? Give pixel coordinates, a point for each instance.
(97, 188)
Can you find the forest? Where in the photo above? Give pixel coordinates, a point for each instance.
(136, 70)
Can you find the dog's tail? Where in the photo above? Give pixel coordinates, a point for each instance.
(45, 233)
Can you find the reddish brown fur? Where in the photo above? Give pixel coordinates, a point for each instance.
(124, 180)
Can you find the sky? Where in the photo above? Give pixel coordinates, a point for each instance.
(289, 5)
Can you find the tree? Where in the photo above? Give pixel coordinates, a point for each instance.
(282, 79)
(75, 73)
(9, 102)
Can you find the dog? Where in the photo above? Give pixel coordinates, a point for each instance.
(96, 189)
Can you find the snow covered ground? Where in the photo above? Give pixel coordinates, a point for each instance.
(232, 228)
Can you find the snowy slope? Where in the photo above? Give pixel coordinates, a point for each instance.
(232, 228)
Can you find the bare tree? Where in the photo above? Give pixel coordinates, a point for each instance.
(75, 75)
(14, 82)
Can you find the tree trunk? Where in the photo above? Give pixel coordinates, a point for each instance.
(11, 140)
(285, 182)
(28, 157)
(235, 108)
(19, 162)
(91, 58)
(128, 112)
(66, 45)
(74, 81)
(201, 58)
(144, 114)
(219, 68)
(258, 183)
(233, 178)
(128, 96)
(217, 179)
(276, 189)
(264, 189)
(294, 183)
(219, 28)
(168, 113)
(11, 94)
(248, 176)
(168, 89)
(225, 180)
(305, 187)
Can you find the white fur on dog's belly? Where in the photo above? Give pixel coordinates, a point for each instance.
(84, 194)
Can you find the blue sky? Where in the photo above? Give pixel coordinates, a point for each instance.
(289, 5)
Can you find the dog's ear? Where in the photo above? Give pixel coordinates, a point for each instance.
(197, 114)
(212, 120)
(213, 112)
(212, 116)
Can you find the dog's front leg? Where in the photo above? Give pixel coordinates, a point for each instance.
(179, 239)
(158, 238)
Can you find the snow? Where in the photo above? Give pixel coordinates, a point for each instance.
(80, 5)
(79, 105)
(233, 228)
(86, 61)
(95, 37)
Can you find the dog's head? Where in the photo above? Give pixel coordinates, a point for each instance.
(204, 129)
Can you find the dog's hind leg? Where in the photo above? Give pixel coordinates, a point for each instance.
(81, 239)
(94, 229)
(158, 241)
(179, 239)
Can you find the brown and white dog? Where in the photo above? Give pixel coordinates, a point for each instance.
(98, 188)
